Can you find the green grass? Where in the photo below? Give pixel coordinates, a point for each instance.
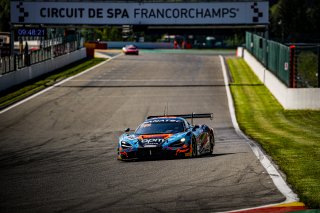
(290, 137)
(20, 92)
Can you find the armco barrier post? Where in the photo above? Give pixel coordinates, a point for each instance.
(292, 67)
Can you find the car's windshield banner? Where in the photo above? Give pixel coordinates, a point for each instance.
(164, 120)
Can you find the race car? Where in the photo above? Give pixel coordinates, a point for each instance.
(130, 49)
(167, 136)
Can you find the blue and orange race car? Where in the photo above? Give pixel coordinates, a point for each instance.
(167, 136)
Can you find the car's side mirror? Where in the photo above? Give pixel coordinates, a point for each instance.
(127, 130)
(206, 128)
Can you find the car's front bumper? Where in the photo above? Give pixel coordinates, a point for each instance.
(131, 52)
(154, 152)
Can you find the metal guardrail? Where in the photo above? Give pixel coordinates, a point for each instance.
(51, 50)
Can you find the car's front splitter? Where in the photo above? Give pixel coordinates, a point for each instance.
(155, 152)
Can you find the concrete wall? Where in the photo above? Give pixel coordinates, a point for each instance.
(289, 98)
(142, 45)
(27, 73)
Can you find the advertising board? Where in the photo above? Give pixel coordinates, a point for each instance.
(108, 13)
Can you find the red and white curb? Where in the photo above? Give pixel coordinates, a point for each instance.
(280, 208)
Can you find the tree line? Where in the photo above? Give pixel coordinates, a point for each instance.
(295, 20)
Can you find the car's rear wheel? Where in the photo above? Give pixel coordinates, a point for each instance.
(211, 143)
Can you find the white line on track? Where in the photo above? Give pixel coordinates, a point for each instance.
(278, 180)
(55, 85)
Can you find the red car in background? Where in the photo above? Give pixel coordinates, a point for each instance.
(130, 49)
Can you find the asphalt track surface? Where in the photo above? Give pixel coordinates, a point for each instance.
(58, 150)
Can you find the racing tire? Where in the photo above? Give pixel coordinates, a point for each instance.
(194, 147)
(211, 143)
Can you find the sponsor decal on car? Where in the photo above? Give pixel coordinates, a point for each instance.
(164, 121)
(153, 140)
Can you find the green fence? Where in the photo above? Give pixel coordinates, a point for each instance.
(273, 55)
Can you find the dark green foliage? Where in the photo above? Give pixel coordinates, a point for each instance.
(108, 34)
(102, 34)
(4, 16)
(296, 20)
(307, 69)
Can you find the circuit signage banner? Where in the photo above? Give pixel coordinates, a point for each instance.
(108, 13)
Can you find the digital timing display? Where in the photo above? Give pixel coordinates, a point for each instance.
(31, 31)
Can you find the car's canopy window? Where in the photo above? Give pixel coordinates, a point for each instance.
(131, 47)
(154, 127)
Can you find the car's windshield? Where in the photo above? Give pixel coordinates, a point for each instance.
(160, 128)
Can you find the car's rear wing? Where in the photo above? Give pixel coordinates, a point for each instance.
(186, 116)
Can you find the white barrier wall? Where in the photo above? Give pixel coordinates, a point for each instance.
(28, 73)
(142, 45)
(289, 98)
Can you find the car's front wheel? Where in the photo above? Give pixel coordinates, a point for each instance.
(194, 147)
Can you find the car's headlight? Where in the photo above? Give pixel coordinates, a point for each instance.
(178, 143)
(125, 145)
